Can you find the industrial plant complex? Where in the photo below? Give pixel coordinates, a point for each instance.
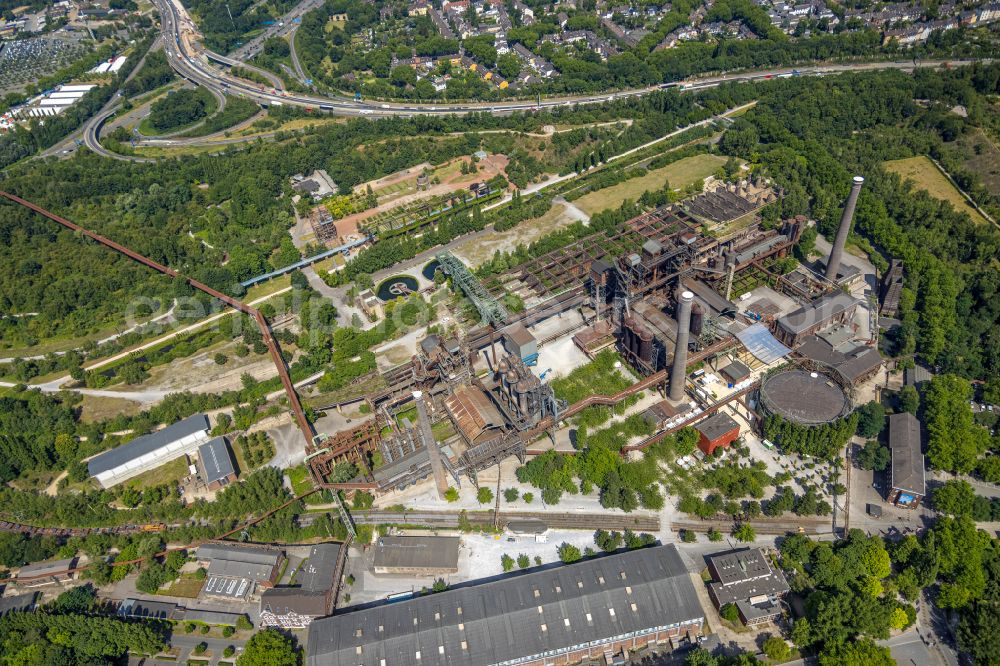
(483, 333)
(697, 313)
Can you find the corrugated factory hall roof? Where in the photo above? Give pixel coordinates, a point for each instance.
(515, 616)
(140, 446)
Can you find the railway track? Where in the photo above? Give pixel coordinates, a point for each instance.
(770, 528)
(588, 521)
(32, 530)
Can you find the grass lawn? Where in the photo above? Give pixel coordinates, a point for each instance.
(174, 470)
(929, 178)
(267, 288)
(178, 151)
(96, 408)
(481, 249)
(186, 586)
(299, 476)
(985, 162)
(294, 124)
(302, 483)
(680, 174)
(369, 385)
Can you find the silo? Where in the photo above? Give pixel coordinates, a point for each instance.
(697, 319)
(627, 324)
(646, 346)
(523, 388)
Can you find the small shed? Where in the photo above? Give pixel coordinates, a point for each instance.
(735, 372)
(216, 463)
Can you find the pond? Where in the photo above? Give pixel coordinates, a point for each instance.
(429, 270)
(398, 285)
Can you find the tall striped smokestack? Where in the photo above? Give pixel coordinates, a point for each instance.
(679, 369)
(837, 251)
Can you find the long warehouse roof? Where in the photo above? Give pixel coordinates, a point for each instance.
(140, 446)
(516, 616)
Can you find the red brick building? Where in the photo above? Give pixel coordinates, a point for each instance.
(715, 431)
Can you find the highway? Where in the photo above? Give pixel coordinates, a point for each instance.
(180, 42)
(192, 62)
(281, 28)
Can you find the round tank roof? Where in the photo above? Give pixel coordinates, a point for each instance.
(806, 398)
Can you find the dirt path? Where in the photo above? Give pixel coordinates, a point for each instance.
(53, 487)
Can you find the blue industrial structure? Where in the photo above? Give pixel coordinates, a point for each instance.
(346, 247)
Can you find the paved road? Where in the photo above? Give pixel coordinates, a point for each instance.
(187, 642)
(282, 27)
(69, 144)
(295, 56)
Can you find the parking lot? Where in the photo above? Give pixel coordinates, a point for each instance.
(27, 60)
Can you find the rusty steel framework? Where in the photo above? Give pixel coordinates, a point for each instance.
(569, 266)
(643, 261)
(354, 445)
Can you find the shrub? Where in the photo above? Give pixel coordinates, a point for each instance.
(730, 613)
(507, 562)
(569, 553)
(777, 649)
(745, 533)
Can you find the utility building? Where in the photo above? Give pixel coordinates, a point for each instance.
(296, 607)
(235, 570)
(747, 579)
(149, 451)
(217, 468)
(46, 573)
(419, 556)
(595, 609)
(717, 430)
(907, 485)
(18, 603)
(836, 308)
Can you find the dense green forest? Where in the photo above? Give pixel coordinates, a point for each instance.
(226, 25)
(180, 108)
